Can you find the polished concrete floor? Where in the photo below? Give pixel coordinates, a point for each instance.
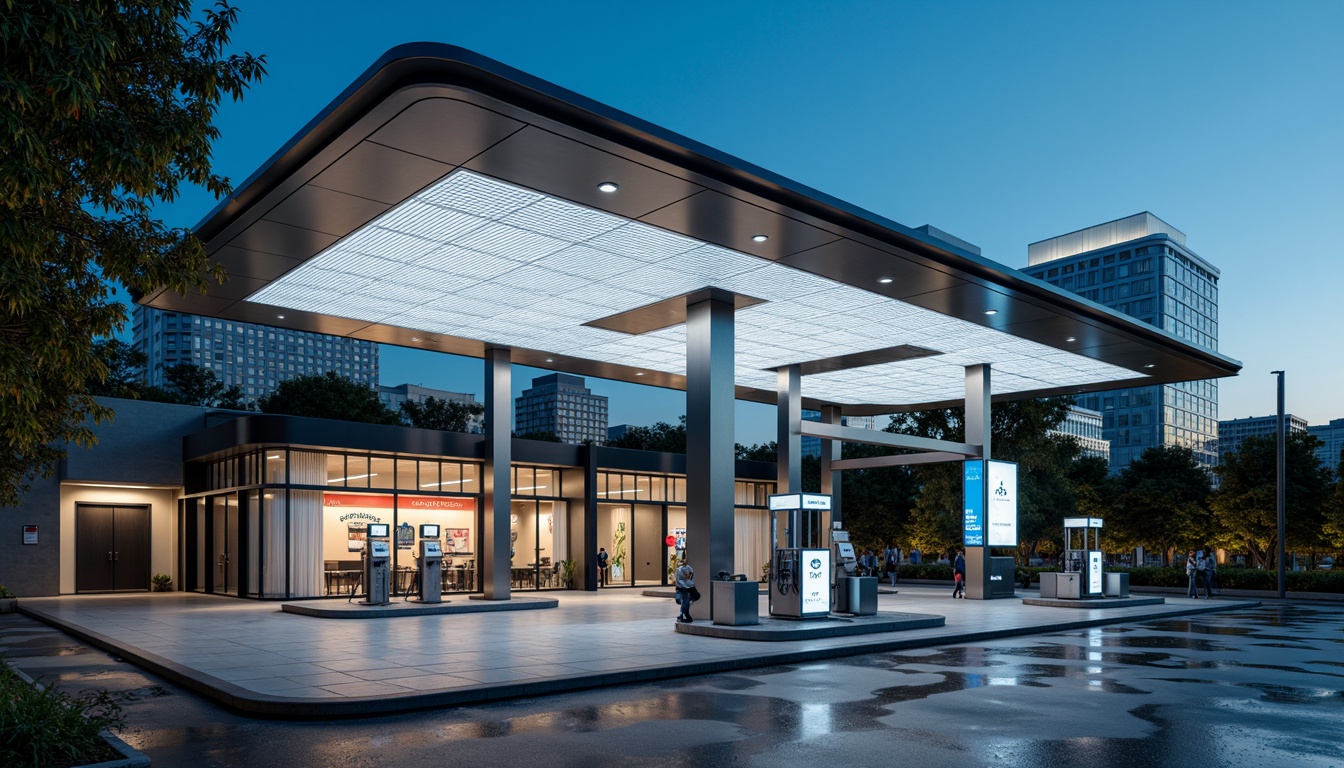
(1253, 687)
(255, 657)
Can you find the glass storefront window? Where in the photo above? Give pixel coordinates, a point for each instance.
(628, 490)
(679, 489)
(524, 482)
(457, 520)
(452, 478)
(406, 480)
(657, 488)
(547, 482)
(336, 469)
(470, 478)
(382, 472)
(357, 472)
(275, 465)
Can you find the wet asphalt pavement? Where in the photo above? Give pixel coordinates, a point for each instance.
(1256, 687)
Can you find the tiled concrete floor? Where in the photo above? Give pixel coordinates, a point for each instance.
(255, 657)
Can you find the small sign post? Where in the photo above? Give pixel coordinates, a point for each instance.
(30, 534)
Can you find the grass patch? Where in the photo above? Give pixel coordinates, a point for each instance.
(41, 727)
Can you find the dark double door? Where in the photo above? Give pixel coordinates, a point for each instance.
(111, 548)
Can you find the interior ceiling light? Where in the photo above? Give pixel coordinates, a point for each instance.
(477, 258)
(608, 186)
(759, 238)
(991, 311)
(884, 280)
(1071, 338)
(1150, 365)
(279, 317)
(549, 360)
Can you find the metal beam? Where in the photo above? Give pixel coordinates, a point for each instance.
(978, 425)
(831, 477)
(496, 480)
(789, 440)
(903, 460)
(888, 439)
(710, 458)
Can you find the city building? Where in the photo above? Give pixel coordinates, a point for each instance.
(255, 358)
(1332, 435)
(1084, 425)
(618, 431)
(560, 404)
(1141, 266)
(812, 445)
(393, 397)
(1232, 432)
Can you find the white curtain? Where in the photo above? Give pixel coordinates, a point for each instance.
(273, 523)
(751, 546)
(305, 524)
(560, 537)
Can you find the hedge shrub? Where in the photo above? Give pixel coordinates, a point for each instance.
(41, 726)
(1229, 577)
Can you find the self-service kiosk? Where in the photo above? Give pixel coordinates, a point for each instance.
(430, 576)
(800, 583)
(378, 564)
(854, 594)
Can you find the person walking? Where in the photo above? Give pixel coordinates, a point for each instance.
(914, 556)
(686, 591)
(1202, 566)
(959, 577)
(602, 558)
(1190, 570)
(1211, 561)
(892, 558)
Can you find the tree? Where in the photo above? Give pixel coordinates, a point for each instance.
(328, 396)
(659, 437)
(124, 368)
(445, 415)
(1246, 502)
(106, 108)
(197, 385)
(1163, 500)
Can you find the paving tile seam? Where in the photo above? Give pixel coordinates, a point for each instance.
(273, 706)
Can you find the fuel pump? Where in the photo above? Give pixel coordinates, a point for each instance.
(430, 574)
(377, 564)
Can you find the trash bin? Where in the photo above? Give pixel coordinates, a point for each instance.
(1117, 584)
(856, 595)
(735, 603)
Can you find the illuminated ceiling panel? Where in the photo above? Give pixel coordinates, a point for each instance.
(477, 258)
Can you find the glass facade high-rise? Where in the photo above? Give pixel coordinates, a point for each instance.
(1141, 266)
(1084, 425)
(255, 358)
(1332, 438)
(559, 403)
(1232, 432)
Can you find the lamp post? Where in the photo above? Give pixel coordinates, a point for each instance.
(1280, 482)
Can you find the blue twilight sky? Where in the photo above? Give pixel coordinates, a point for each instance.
(1000, 122)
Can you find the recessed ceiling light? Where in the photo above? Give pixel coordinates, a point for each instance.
(608, 186)
(760, 238)
(1150, 365)
(884, 280)
(550, 360)
(279, 317)
(991, 311)
(1071, 338)
(639, 373)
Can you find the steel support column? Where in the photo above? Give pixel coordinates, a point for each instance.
(789, 441)
(977, 421)
(831, 452)
(710, 457)
(496, 474)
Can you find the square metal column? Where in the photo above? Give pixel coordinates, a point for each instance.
(789, 441)
(710, 450)
(831, 452)
(496, 474)
(977, 420)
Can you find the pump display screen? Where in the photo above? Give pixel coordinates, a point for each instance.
(429, 531)
(379, 530)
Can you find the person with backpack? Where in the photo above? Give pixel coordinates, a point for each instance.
(686, 591)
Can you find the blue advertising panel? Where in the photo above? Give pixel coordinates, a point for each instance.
(973, 490)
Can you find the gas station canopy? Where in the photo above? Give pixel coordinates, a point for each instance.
(447, 202)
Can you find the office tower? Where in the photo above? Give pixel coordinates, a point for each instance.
(1332, 435)
(393, 397)
(1233, 431)
(1140, 265)
(560, 404)
(1084, 425)
(255, 358)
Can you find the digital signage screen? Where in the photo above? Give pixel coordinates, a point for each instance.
(1001, 505)
(973, 490)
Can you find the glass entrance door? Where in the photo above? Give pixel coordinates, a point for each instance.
(224, 510)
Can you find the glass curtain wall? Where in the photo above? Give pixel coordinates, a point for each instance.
(538, 529)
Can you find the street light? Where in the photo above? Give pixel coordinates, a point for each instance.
(1280, 482)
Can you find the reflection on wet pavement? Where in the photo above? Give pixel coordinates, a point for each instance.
(1252, 687)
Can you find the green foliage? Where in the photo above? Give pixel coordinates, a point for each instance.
(445, 415)
(659, 437)
(125, 370)
(162, 582)
(328, 396)
(544, 437)
(762, 452)
(192, 384)
(5, 593)
(105, 108)
(568, 568)
(42, 726)
(618, 547)
(1162, 501)
(1246, 503)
